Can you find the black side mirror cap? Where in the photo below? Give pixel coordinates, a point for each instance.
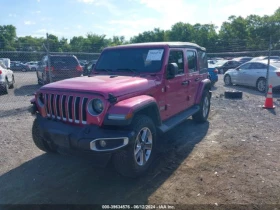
(172, 69)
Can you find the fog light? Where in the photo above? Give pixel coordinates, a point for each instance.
(102, 143)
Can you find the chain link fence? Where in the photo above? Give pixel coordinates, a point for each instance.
(30, 70)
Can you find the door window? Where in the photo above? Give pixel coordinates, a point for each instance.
(177, 56)
(192, 61)
(245, 66)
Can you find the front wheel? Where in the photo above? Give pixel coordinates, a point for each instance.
(204, 108)
(39, 141)
(138, 156)
(227, 80)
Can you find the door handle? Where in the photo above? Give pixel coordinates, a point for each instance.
(185, 82)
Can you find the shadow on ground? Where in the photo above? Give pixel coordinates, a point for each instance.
(26, 90)
(59, 179)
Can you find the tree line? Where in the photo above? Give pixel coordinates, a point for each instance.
(236, 34)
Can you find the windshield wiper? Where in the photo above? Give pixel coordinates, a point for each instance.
(128, 69)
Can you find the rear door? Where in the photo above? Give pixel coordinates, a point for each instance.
(255, 71)
(193, 75)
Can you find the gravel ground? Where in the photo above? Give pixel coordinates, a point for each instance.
(231, 159)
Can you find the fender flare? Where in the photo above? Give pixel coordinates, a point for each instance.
(203, 85)
(122, 113)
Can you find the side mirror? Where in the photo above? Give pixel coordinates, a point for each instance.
(172, 70)
(237, 68)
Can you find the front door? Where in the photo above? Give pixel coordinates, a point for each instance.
(176, 88)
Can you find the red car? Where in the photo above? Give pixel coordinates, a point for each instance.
(134, 93)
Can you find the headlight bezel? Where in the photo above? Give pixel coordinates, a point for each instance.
(96, 106)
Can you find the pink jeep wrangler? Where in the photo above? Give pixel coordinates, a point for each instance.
(134, 93)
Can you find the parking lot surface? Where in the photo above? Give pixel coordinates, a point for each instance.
(231, 159)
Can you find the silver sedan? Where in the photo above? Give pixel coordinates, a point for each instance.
(253, 73)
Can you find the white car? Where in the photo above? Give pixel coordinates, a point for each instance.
(253, 73)
(7, 79)
(33, 65)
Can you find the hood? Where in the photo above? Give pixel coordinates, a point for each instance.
(103, 84)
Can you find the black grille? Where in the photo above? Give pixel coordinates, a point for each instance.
(66, 108)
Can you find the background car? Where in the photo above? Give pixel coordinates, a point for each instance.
(33, 65)
(88, 67)
(16, 66)
(242, 60)
(213, 74)
(7, 78)
(224, 65)
(262, 58)
(253, 73)
(62, 67)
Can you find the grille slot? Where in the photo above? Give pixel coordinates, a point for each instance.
(76, 109)
(70, 108)
(63, 106)
(51, 105)
(66, 108)
(57, 103)
(84, 110)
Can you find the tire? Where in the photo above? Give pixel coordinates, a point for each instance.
(13, 82)
(234, 94)
(202, 115)
(129, 164)
(227, 80)
(33, 69)
(261, 85)
(39, 140)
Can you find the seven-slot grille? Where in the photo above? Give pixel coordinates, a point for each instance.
(67, 108)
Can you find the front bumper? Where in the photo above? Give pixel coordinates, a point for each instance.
(85, 139)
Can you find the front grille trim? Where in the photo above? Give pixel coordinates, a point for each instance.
(66, 108)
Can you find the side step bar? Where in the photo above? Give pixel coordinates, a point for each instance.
(177, 119)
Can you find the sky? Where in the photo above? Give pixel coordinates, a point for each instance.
(68, 18)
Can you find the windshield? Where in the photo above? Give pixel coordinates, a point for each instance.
(131, 59)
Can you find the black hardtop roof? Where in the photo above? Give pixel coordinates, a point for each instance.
(169, 44)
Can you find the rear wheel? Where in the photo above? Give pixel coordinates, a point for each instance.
(261, 85)
(6, 87)
(202, 115)
(39, 140)
(138, 156)
(12, 84)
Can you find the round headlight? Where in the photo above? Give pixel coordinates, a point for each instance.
(97, 105)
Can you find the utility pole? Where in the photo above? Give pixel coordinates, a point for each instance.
(49, 62)
(268, 65)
